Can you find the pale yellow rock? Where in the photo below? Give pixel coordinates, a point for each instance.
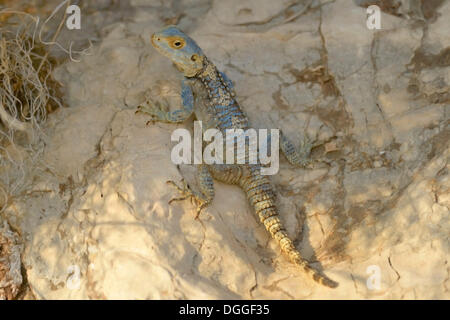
(95, 219)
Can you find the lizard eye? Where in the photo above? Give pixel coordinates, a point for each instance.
(177, 43)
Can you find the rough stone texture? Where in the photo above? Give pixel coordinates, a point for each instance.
(95, 219)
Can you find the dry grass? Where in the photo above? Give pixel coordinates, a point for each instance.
(28, 92)
(10, 273)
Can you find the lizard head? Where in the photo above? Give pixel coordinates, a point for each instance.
(180, 48)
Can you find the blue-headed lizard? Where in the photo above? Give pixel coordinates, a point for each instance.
(219, 109)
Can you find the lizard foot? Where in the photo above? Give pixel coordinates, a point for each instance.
(186, 193)
(155, 109)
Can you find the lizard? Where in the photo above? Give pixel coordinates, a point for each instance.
(218, 108)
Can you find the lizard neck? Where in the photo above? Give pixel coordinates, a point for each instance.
(209, 72)
(218, 91)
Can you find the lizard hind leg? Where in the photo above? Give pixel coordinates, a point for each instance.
(203, 198)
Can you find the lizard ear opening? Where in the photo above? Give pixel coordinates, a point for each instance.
(194, 57)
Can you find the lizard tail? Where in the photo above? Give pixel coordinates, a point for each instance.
(262, 197)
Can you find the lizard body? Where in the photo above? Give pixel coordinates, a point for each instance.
(219, 109)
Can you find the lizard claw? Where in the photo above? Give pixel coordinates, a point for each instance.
(154, 109)
(186, 193)
(199, 209)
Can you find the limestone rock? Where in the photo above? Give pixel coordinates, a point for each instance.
(373, 213)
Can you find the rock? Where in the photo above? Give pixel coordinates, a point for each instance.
(94, 218)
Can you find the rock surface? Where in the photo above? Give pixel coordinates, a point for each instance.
(95, 220)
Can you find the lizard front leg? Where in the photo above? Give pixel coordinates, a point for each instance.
(298, 157)
(176, 116)
(206, 186)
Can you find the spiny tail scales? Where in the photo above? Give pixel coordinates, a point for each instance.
(262, 197)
